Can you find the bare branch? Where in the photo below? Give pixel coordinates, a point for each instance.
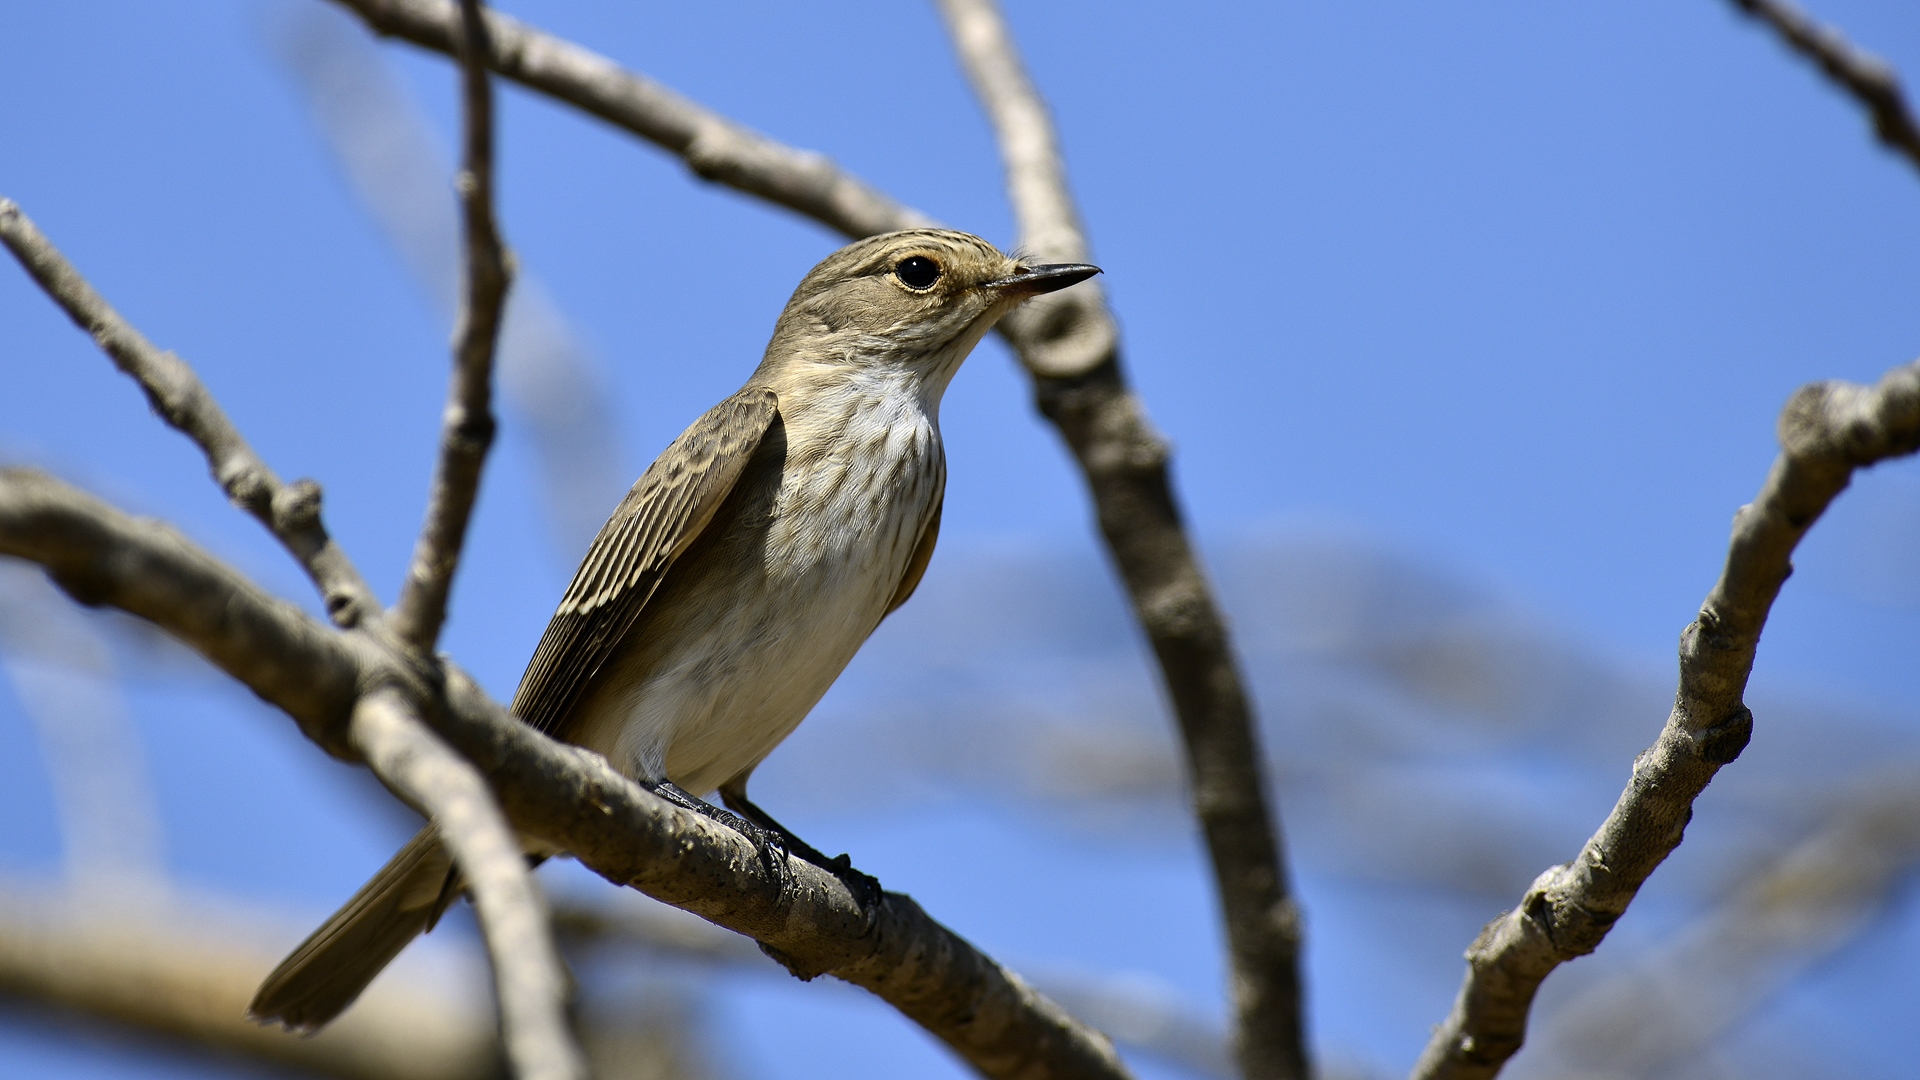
(531, 982)
(1865, 76)
(102, 557)
(291, 511)
(468, 428)
(560, 794)
(186, 976)
(1826, 431)
(1069, 343)
(1651, 1019)
(714, 147)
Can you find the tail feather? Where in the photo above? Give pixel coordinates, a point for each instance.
(318, 980)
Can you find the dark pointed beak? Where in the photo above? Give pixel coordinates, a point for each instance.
(1034, 280)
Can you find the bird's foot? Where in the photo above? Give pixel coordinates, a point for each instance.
(770, 844)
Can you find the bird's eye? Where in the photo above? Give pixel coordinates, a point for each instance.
(917, 272)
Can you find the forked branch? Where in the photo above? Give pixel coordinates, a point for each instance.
(467, 429)
(1826, 432)
(290, 511)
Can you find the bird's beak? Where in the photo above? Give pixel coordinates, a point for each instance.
(1034, 280)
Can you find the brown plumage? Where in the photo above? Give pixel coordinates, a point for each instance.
(742, 571)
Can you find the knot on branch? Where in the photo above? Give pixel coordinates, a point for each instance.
(296, 507)
(1853, 424)
(1722, 742)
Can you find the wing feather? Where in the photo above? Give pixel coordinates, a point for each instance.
(662, 514)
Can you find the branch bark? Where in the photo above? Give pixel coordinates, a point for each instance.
(290, 511)
(554, 792)
(468, 428)
(1070, 345)
(1071, 349)
(531, 982)
(1866, 77)
(1826, 432)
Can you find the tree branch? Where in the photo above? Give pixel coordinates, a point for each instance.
(528, 975)
(1826, 432)
(1865, 76)
(186, 976)
(1070, 345)
(554, 792)
(714, 147)
(468, 428)
(290, 511)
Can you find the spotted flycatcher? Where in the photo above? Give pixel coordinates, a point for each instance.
(739, 575)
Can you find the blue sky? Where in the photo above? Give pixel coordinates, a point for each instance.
(1514, 289)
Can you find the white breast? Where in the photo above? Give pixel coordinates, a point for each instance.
(864, 473)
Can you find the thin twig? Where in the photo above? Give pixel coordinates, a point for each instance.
(1826, 432)
(1069, 343)
(1869, 79)
(529, 978)
(560, 794)
(468, 428)
(290, 511)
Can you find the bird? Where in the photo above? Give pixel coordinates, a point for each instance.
(737, 578)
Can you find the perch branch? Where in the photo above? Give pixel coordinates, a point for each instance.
(1826, 432)
(1868, 78)
(528, 976)
(551, 791)
(1071, 347)
(290, 511)
(468, 428)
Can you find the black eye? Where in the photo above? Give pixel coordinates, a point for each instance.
(917, 272)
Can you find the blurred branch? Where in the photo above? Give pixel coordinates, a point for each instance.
(186, 976)
(1866, 77)
(393, 162)
(561, 794)
(1826, 431)
(468, 428)
(1652, 1018)
(1071, 347)
(63, 673)
(531, 982)
(290, 511)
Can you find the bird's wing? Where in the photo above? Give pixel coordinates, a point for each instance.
(663, 513)
(922, 555)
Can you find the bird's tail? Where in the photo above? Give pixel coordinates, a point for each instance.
(318, 980)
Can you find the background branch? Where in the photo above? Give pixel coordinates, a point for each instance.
(1865, 76)
(528, 974)
(186, 976)
(468, 428)
(290, 511)
(1070, 345)
(1826, 431)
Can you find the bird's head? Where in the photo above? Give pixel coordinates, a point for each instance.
(916, 301)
